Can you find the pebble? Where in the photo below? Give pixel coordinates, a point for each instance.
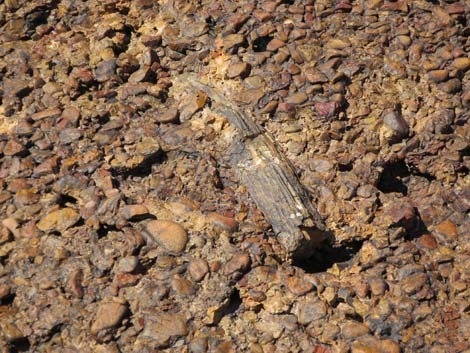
(48, 113)
(452, 86)
(11, 332)
(13, 226)
(311, 311)
(353, 329)
(297, 98)
(170, 116)
(5, 235)
(74, 284)
(394, 120)
(275, 44)
(143, 74)
(191, 105)
(13, 148)
(238, 263)
(377, 286)
(108, 316)
(128, 264)
(438, 75)
(132, 212)
(59, 220)
(105, 70)
(170, 235)
(5, 291)
(161, 328)
(370, 344)
(413, 283)
(182, 286)
(232, 42)
(401, 213)
(314, 76)
(197, 269)
(327, 110)
(446, 231)
(427, 241)
(299, 286)
(239, 70)
(226, 223)
(461, 64)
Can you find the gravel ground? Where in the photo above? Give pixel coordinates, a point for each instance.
(125, 228)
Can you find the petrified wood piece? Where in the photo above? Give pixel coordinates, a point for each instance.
(268, 176)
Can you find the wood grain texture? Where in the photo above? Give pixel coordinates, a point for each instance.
(268, 176)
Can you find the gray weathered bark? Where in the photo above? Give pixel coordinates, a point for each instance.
(269, 177)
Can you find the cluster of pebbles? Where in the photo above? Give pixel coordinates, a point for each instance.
(124, 228)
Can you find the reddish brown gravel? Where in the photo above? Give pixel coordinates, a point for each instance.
(125, 228)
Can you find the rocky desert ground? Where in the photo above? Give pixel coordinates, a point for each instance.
(135, 215)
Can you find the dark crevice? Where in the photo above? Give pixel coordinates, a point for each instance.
(465, 152)
(140, 218)
(39, 15)
(419, 229)
(461, 20)
(260, 44)
(8, 300)
(230, 307)
(345, 167)
(66, 199)
(105, 229)
(36, 18)
(336, 302)
(80, 223)
(20, 345)
(426, 176)
(128, 31)
(24, 92)
(355, 317)
(327, 255)
(391, 178)
(85, 88)
(124, 10)
(145, 264)
(143, 169)
(211, 22)
(101, 118)
(413, 170)
(55, 330)
(380, 327)
(234, 303)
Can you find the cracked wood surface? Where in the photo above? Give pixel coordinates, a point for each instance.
(268, 176)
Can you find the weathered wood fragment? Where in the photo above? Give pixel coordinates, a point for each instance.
(268, 176)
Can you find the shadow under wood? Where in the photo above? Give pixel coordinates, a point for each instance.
(326, 255)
